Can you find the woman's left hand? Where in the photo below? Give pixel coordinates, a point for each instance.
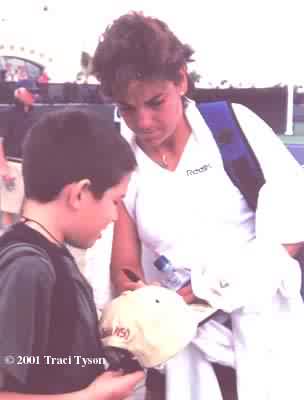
(187, 294)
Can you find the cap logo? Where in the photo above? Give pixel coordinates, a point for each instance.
(121, 332)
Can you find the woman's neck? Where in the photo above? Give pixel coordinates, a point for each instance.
(169, 152)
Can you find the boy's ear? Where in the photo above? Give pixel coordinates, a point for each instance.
(76, 192)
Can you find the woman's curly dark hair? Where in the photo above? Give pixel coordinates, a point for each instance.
(136, 47)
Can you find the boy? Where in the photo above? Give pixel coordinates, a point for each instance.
(76, 170)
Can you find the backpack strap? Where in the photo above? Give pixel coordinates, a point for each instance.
(239, 160)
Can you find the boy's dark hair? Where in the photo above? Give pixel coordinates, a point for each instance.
(69, 145)
(136, 47)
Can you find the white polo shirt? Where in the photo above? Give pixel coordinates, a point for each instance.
(196, 216)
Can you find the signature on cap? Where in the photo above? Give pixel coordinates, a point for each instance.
(119, 331)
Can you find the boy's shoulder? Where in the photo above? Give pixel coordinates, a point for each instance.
(19, 249)
(20, 255)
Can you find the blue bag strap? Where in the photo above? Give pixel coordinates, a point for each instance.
(238, 157)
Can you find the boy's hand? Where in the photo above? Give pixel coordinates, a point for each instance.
(113, 385)
(133, 280)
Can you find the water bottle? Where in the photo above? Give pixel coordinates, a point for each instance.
(174, 278)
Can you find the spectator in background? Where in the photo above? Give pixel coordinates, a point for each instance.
(3, 85)
(20, 119)
(43, 85)
(21, 73)
(9, 76)
(43, 77)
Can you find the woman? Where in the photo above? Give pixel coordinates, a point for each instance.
(201, 220)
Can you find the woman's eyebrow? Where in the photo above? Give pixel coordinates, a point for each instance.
(148, 101)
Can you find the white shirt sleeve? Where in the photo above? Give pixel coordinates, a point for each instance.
(130, 198)
(280, 212)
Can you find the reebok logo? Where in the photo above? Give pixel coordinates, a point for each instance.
(204, 168)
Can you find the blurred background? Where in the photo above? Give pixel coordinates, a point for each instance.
(245, 51)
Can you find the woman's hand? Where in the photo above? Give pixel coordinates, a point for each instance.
(134, 285)
(187, 294)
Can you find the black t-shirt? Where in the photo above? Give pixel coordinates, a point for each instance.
(26, 289)
(18, 124)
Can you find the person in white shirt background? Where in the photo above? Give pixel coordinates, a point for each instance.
(201, 221)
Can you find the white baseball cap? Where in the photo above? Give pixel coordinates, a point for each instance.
(153, 323)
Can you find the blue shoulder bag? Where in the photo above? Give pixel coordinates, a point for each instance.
(239, 160)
